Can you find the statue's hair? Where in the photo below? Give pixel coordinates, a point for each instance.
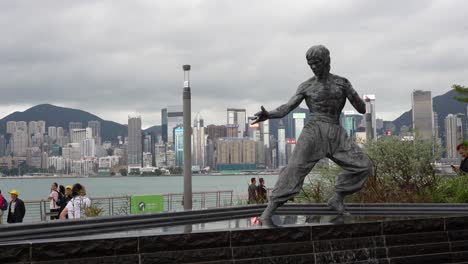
(318, 51)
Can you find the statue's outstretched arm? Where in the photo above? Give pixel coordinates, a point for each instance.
(354, 99)
(281, 111)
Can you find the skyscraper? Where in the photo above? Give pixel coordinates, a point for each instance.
(179, 146)
(298, 124)
(175, 118)
(198, 149)
(423, 120)
(60, 132)
(77, 135)
(73, 125)
(52, 132)
(164, 124)
(20, 143)
(95, 125)
(281, 146)
(266, 133)
(88, 148)
(371, 126)
(237, 117)
(453, 135)
(2, 145)
(134, 149)
(11, 127)
(350, 123)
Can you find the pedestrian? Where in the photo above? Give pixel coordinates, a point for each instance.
(262, 193)
(252, 190)
(463, 168)
(77, 206)
(16, 210)
(53, 199)
(3, 206)
(66, 199)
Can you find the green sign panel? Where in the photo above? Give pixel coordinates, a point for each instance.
(147, 204)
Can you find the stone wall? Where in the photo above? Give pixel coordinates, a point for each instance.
(437, 240)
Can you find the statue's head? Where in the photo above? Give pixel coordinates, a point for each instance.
(318, 58)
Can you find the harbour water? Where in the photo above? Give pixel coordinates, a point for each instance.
(39, 188)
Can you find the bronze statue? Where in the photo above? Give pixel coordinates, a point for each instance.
(325, 95)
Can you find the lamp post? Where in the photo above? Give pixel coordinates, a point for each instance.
(187, 140)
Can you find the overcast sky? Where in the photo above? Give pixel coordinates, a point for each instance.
(115, 58)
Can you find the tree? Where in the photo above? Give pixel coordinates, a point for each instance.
(402, 172)
(463, 91)
(123, 172)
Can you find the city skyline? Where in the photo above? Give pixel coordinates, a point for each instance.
(129, 54)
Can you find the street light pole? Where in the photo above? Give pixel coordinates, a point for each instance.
(187, 139)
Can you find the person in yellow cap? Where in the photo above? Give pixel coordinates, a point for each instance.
(16, 210)
(68, 197)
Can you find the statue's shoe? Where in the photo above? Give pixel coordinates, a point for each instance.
(337, 206)
(267, 222)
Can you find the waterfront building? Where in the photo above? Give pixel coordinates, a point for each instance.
(134, 149)
(11, 127)
(370, 119)
(20, 142)
(179, 146)
(281, 146)
(423, 119)
(95, 126)
(453, 135)
(88, 148)
(175, 118)
(198, 143)
(74, 125)
(52, 132)
(237, 117)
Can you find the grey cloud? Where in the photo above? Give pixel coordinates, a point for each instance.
(127, 55)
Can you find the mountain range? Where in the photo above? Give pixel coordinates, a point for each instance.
(61, 116)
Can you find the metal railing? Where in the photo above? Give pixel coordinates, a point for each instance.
(38, 210)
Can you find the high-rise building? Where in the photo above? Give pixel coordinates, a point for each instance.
(41, 127)
(160, 152)
(175, 118)
(77, 135)
(281, 146)
(11, 127)
(32, 127)
(73, 125)
(52, 132)
(95, 126)
(179, 146)
(149, 141)
(198, 142)
(60, 132)
(214, 132)
(350, 123)
(88, 148)
(370, 119)
(254, 132)
(164, 124)
(453, 135)
(20, 143)
(237, 117)
(2, 145)
(423, 120)
(236, 154)
(232, 131)
(22, 125)
(134, 149)
(436, 126)
(266, 133)
(298, 124)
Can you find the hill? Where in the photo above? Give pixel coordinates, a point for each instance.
(61, 116)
